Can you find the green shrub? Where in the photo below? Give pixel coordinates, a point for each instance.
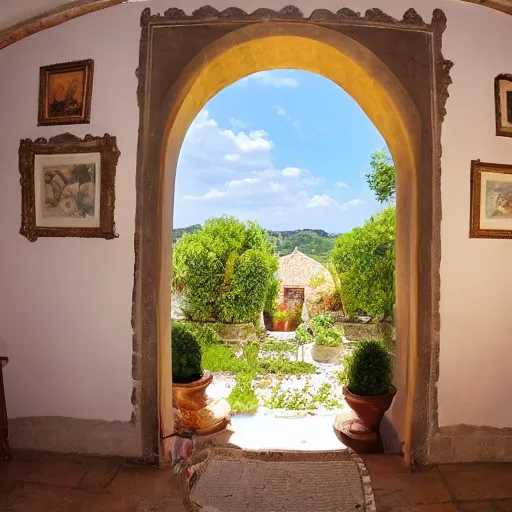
(320, 321)
(226, 271)
(328, 337)
(243, 398)
(222, 358)
(369, 370)
(186, 354)
(282, 365)
(302, 335)
(204, 333)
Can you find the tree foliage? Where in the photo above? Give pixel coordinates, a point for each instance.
(225, 270)
(382, 178)
(364, 260)
(315, 243)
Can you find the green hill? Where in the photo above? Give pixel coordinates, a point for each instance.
(316, 243)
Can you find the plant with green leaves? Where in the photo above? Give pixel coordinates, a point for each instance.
(364, 259)
(226, 271)
(302, 335)
(328, 337)
(320, 322)
(368, 371)
(186, 354)
(382, 178)
(243, 398)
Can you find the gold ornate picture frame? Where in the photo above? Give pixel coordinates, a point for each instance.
(503, 103)
(68, 186)
(491, 200)
(65, 93)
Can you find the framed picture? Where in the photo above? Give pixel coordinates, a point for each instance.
(67, 186)
(65, 92)
(503, 101)
(491, 200)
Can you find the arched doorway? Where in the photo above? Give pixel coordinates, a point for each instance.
(170, 98)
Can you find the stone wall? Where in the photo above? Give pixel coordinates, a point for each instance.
(298, 270)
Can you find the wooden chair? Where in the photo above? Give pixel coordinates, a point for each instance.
(4, 430)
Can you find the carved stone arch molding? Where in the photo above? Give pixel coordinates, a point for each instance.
(396, 72)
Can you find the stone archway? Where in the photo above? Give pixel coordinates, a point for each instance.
(186, 60)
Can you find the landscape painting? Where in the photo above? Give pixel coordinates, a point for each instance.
(491, 200)
(65, 93)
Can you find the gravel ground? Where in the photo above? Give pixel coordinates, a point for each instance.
(223, 382)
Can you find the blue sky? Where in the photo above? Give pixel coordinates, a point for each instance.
(286, 148)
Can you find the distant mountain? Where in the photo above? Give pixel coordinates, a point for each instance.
(316, 243)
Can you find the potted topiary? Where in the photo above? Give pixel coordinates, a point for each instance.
(194, 411)
(367, 377)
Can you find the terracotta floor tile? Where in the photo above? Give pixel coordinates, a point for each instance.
(43, 498)
(405, 489)
(100, 474)
(474, 482)
(385, 464)
(143, 481)
(438, 507)
(503, 505)
(61, 473)
(476, 506)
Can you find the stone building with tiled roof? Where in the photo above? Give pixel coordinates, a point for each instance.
(303, 278)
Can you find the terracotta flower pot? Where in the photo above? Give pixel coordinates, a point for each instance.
(194, 411)
(369, 409)
(279, 325)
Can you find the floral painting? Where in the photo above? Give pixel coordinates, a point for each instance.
(68, 186)
(69, 190)
(491, 200)
(498, 199)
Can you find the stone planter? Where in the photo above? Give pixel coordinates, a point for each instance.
(233, 333)
(323, 354)
(194, 411)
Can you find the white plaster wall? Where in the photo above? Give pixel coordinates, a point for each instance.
(65, 303)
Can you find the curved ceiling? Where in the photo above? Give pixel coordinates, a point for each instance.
(22, 18)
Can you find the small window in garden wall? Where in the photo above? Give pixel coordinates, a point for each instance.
(284, 247)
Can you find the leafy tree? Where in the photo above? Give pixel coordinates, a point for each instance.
(364, 260)
(225, 270)
(381, 179)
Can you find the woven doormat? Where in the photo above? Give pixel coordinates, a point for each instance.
(230, 480)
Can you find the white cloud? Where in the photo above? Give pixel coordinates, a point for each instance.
(280, 111)
(283, 113)
(212, 194)
(229, 171)
(237, 123)
(248, 142)
(239, 183)
(341, 184)
(352, 203)
(270, 79)
(321, 201)
(291, 171)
